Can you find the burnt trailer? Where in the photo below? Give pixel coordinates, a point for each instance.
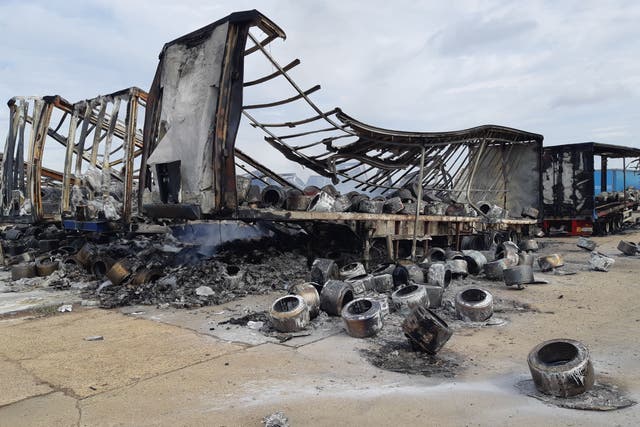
(463, 189)
(449, 184)
(580, 200)
(75, 163)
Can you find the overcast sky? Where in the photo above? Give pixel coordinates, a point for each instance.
(569, 70)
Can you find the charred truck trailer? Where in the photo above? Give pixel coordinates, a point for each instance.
(579, 200)
(459, 188)
(410, 187)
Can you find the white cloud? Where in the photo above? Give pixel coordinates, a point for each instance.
(562, 69)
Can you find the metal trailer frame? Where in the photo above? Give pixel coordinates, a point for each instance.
(487, 163)
(569, 202)
(93, 136)
(493, 164)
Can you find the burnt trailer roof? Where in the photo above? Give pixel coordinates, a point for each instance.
(605, 150)
(199, 127)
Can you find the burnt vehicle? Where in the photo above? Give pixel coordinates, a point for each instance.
(580, 200)
(463, 189)
(410, 186)
(96, 142)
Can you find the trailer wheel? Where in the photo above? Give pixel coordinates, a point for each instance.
(619, 223)
(606, 228)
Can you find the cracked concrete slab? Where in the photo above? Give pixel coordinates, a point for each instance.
(203, 393)
(54, 350)
(18, 384)
(16, 302)
(54, 409)
(207, 320)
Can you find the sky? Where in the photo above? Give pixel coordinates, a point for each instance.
(569, 70)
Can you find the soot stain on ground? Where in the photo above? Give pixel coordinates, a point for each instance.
(602, 397)
(390, 350)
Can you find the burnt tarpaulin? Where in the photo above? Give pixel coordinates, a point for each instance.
(194, 110)
(567, 181)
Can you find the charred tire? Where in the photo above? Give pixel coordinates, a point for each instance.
(425, 330)
(46, 266)
(322, 270)
(22, 271)
(383, 300)
(494, 270)
(530, 212)
(12, 234)
(385, 268)
(352, 270)
(408, 297)
(561, 367)
(627, 248)
(393, 205)
(335, 294)
(508, 251)
(289, 313)
(435, 295)
(86, 254)
(474, 305)
(298, 202)
(586, 244)
(146, 276)
(400, 275)
(473, 242)
(416, 274)
(311, 190)
(342, 204)
(458, 267)
(331, 190)
(48, 245)
(371, 206)
(100, 266)
(362, 317)
(383, 282)
(518, 275)
(361, 284)
(355, 201)
(233, 276)
(70, 260)
(549, 262)
(526, 258)
(119, 272)
(475, 261)
(13, 248)
(436, 254)
(20, 259)
(311, 297)
(439, 275)
(322, 202)
(529, 245)
(450, 254)
(273, 195)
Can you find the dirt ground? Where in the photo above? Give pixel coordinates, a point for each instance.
(184, 367)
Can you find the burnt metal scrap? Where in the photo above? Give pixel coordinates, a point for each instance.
(410, 186)
(96, 147)
(195, 104)
(492, 163)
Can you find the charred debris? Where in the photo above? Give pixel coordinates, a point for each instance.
(139, 168)
(143, 198)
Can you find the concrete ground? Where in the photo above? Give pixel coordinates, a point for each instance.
(182, 367)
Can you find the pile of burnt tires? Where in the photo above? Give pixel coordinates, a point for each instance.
(364, 298)
(329, 199)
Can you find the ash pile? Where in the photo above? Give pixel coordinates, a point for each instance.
(155, 268)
